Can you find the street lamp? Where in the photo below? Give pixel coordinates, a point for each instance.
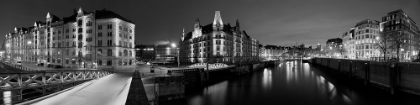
(177, 55)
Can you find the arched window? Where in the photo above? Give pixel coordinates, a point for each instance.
(109, 52)
(125, 53)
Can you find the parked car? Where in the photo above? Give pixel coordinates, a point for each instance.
(40, 64)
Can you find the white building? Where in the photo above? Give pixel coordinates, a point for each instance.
(100, 38)
(360, 42)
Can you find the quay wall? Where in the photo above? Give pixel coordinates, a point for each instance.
(398, 76)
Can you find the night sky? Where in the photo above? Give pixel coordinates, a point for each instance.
(277, 22)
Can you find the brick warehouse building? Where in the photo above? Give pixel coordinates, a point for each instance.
(100, 38)
(218, 43)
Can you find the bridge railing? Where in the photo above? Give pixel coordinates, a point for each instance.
(33, 79)
(19, 87)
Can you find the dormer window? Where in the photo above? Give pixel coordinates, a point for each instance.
(79, 22)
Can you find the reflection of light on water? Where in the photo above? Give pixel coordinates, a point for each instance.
(306, 69)
(197, 100)
(7, 97)
(332, 90)
(217, 93)
(346, 99)
(330, 86)
(267, 78)
(288, 72)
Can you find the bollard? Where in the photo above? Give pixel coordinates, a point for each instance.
(392, 77)
(367, 74)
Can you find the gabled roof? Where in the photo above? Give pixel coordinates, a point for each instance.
(71, 18)
(103, 14)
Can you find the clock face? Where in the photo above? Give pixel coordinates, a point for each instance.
(218, 24)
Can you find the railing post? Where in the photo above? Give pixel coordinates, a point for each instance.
(367, 73)
(392, 77)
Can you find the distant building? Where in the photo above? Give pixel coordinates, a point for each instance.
(166, 52)
(100, 38)
(218, 42)
(399, 22)
(145, 53)
(334, 42)
(271, 52)
(349, 43)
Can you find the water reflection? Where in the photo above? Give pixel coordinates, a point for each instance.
(216, 93)
(288, 83)
(267, 79)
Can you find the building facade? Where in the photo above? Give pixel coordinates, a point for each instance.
(166, 53)
(145, 53)
(366, 38)
(398, 22)
(349, 44)
(218, 42)
(100, 38)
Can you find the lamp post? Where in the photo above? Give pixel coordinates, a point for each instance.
(177, 55)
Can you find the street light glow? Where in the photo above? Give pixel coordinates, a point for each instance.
(173, 45)
(29, 42)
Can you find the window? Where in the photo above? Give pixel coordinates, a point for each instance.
(99, 34)
(100, 27)
(80, 37)
(109, 34)
(80, 44)
(109, 42)
(79, 22)
(80, 30)
(119, 53)
(89, 31)
(109, 62)
(99, 42)
(109, 26)
(120, 27)
(120, 35)
(125, 53)
(109, 52)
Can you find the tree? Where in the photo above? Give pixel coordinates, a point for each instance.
(397, 41)
(384, 43)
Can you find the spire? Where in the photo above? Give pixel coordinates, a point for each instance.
(48, 15)
(237, 25)
(15, 30)
(197, 23)
(80, 12)
(217, 19)
(183, 35)
(35, 24)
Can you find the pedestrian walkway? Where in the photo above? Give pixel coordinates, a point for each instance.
(109, 90)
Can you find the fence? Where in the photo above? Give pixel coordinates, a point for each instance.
(401, 76)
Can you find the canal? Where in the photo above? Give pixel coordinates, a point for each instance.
(291, 83)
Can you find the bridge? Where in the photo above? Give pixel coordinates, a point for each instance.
(108, 87)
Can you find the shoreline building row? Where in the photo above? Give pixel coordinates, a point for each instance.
(100, 38)
(362, 40)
